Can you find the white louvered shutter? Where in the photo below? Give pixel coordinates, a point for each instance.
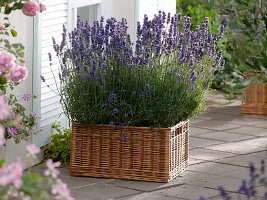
(47, 25)
(48, 106)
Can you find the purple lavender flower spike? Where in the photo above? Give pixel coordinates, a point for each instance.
(193, 77)
(115, 110)
(132, 112)
(42, 78)
(59, 75)
(141, 93)
(148, 91)
(124, 137)
(222, 64)
(112, 98)
(105, 104)
(50, 57)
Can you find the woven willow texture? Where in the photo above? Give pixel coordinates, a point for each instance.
(157, 155)
(255, 98)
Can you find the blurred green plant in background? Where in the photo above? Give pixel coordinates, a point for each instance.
(59, 147)
(245, 42)
(247, 19)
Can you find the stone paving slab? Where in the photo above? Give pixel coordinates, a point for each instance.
(262, 125)
(247, 121)
(261, 154)
(223, 136)
(250, 130)
(101, 191)
(193, 161)
(242, 160)
(198, 131)
(209, 154)
(150, 196)
(218, 125)
(191, 192)
(202, 142)
(242, 147)
(220, 169)
(205, 180)
(235, 196)
(222, 143)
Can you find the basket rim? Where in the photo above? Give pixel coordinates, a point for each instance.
(135, 127)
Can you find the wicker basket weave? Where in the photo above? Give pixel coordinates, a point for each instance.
(157, 155)
(255, 98)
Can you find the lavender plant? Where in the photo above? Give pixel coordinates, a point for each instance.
(158, 81)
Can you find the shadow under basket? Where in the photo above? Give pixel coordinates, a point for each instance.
(255, 101)
(157, 155)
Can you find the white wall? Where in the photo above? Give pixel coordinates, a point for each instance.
(151, 7)
(24, 27)
(125, 9)
(168, 6)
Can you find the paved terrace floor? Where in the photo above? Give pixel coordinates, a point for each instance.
(222, 143)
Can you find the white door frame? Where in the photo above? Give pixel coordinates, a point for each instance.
(73, 5)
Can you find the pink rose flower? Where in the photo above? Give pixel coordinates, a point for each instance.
(51, 168)
(4, 108)
(61, 190)
(19, 74)
(2, 136)
(2, 27)
(7, 62)
(30, 8)
(33, 150)
(42, 7)
(12, 174)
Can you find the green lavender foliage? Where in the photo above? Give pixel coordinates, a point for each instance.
(163, 82)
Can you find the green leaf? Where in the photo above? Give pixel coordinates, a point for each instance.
(17, 5)
(14, 33)
(226, 103)
(7, 46)
(10, 51)
(8, 10)
(20, 53)
(15, 45)
(232, 90)
(234, 25)
(227, 55)
(2, 162)
(21, 46)
(1, 3)
(6, 25)
(249, 80)
(6, 41)
(259, 82)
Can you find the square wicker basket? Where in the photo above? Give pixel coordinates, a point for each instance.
(157, 155)
(255, 98)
